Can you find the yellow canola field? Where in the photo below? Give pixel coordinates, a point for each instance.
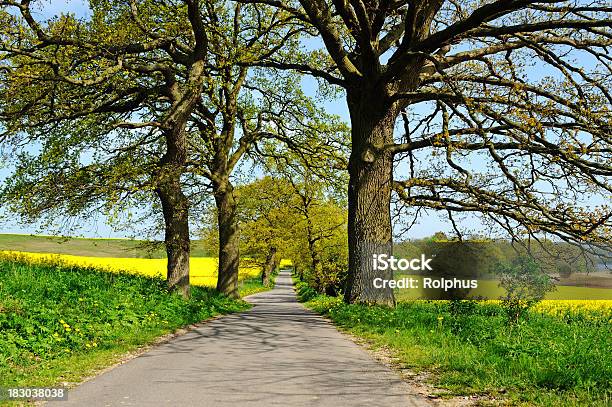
(562, 307)
(203, 270)
(285, 263)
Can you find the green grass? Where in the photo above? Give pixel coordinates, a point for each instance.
(544, 360)
(59, 324)
(253, 285)
(92, 247)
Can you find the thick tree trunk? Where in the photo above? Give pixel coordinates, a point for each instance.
(269, 266)
(369, 196)
(175, 207)
(167, 177)
(229, 248)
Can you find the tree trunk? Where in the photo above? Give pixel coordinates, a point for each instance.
(369, 196)
(175, 207)
(269, 266)
(229, 248)
(314, 258)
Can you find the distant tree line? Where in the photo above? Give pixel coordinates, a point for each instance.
(482, 257)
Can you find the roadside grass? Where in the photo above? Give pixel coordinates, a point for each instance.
(561, 359)
(253, 285)
(60, 323)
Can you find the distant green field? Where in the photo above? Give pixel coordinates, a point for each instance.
(92, 247)
(490, 289)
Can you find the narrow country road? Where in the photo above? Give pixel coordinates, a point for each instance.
(276, 354)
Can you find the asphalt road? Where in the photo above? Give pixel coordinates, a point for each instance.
(276, 354)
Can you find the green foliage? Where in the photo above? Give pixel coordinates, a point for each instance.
(545, 360)
(264, 211)
(332, 271)
(407, 250)
(462, 307)
(467, 258)
(480, 256)
(525, 285)
(253, 285)
(301, 223)
(473, 258)
(304, 291)
(52, 312)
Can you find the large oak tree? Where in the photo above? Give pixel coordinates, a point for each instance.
(506, 106)
(107, 99)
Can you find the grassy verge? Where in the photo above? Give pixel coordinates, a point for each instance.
(253, 285)
(60, 323)
(543, 360)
